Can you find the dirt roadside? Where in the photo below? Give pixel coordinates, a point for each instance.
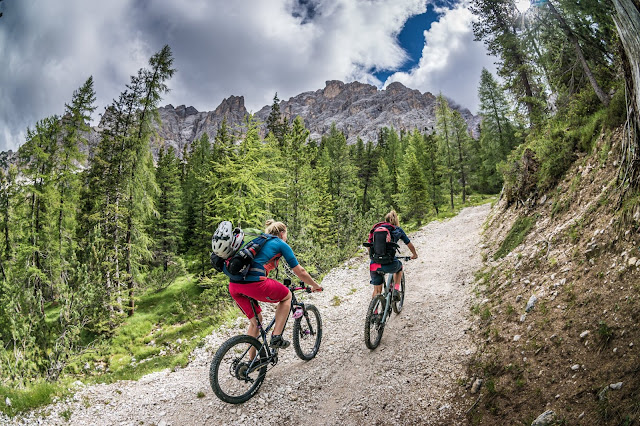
(409, 379)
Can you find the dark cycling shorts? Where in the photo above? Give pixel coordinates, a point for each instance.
(390, 268)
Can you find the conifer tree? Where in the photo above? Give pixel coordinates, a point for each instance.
(297, 169)
(433, 171)
(342, 183)
(446, 146)
(413, 197)
(142, 177)
(75, 126)
(38, 155)
(196, 186)
(276, 122)
(496, 27)
(462, 142)
(497, 136)
(242, 184)
(169, 217)
(122, 185)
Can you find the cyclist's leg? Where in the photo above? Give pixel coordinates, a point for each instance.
(253, 326)
(397, 276)
(377, 280)
(282, 310)
(244, 303)
(272, 291)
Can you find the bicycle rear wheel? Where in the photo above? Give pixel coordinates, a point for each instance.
(397, 305)
(373, 325)
(229, 374)
(307, 333)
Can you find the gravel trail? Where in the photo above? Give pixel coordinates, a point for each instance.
(408, 379)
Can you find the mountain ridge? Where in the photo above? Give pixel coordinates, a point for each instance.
(357, 109)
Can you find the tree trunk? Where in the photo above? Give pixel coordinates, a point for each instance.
(462, 174)
(585, 67)
(627, 19)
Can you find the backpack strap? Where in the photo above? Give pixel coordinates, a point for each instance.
(387, 225)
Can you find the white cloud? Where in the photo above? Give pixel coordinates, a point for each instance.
(451, 60)
(221, 48)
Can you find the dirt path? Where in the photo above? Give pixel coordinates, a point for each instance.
(408, 379)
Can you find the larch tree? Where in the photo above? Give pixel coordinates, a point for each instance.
(446, 148)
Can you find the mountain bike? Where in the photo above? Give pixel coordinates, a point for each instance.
(236, 374)
(380, 309)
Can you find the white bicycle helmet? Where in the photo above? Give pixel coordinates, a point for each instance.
(226, 240)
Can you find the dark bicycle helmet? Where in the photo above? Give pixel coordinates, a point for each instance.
(226, 240)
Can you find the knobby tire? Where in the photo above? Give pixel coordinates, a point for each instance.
(226, 371)
(307, 332)
(373, 331)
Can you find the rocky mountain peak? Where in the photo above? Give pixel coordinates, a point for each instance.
(332, 89)
(230, 106)
(359, 110)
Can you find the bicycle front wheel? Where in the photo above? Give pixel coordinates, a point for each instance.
(397, 304)
(233, 377)
(307, 333)
(373, 326)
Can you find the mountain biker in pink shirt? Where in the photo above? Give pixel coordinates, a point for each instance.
(395, 267)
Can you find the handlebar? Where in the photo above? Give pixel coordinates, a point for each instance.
(300, 286)
(406, 258)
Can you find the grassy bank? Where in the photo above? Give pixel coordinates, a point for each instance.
(166, 327)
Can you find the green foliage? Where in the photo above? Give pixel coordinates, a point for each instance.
(36, 394)
(516, 235)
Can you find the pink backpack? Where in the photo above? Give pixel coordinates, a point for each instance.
(382, 249)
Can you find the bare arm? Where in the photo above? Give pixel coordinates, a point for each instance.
(306, 278)
(413, 251)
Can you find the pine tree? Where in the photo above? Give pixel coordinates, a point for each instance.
(241, 184)
(38, 155)
(169, 217)
(342, 183)
(142, 178)
(413, 197)
(297, 168)
(433, 171)
(276, 123)
(462, 141)
(75, 126)
(496, 27)
(446, 146)
(121, 184)
(195, 189)
(497, 136)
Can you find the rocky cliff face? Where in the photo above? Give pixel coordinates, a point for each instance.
(359, 110)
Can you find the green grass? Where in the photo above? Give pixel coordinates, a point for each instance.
(517, 234)
(35, 395)
(177, 312)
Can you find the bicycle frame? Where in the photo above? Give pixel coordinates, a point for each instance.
(271, 353)
(387, 289)
(387, 293)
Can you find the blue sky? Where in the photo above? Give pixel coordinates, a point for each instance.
(250, 48)
(411, 38)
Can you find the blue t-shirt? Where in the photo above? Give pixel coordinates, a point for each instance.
(274, 247)
(399, 234)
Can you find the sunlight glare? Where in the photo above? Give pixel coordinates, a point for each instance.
(523, 5)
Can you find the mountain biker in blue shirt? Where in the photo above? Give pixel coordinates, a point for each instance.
(395, 267)
(257, 284)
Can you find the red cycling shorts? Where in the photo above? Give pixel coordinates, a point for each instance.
(268, 290)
